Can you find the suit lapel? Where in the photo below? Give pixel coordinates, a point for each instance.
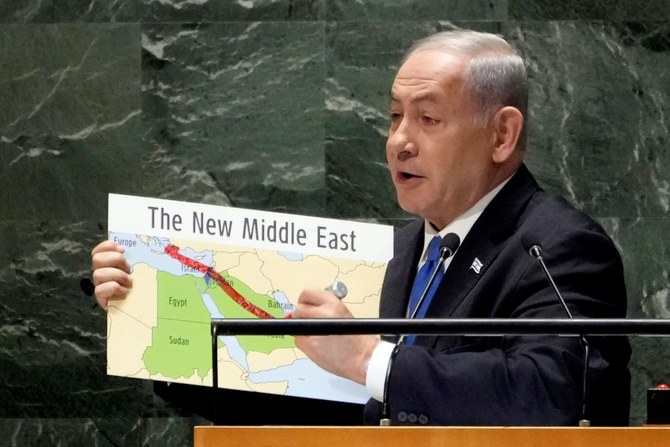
(401, 270)
(483, 244)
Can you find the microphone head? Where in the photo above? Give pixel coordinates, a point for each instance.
(532, 248)
(535, 251)
(449, 244)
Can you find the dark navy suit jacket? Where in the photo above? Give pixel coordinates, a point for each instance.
(512, 380)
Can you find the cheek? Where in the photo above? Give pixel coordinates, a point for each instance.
(443, 156)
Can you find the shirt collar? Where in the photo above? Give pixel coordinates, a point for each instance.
(463, 223)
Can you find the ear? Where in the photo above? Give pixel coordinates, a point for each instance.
(507, 125)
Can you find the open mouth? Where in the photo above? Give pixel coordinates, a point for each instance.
(407, 175)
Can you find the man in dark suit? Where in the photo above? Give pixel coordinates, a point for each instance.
(455, 152)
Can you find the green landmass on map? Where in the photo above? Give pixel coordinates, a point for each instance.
(181, 341)
(231, 309)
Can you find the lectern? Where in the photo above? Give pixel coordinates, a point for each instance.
(269, 436)
(397, 436)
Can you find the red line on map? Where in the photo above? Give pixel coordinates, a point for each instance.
(173, 252)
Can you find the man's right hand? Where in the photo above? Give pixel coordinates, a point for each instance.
(111, 272)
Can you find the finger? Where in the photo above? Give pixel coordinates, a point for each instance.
(109, 291)
(311, 296)
(334, 309)
(113, 259)
(102, 302)
(107, 246)
(112, 274)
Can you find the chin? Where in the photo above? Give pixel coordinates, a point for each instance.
(410, 207)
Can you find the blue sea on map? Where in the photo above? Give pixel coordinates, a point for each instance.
(304, 376)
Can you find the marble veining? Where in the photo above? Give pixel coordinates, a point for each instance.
(280, 105)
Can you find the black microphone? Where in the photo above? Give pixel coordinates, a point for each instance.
(536, 252)
(448, 247)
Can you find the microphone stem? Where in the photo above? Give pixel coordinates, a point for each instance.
(584, 422)
(443, 256)
(437, 268)
(553, 286)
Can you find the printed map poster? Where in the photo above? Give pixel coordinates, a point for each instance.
(192, 262)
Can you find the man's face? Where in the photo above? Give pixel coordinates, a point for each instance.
(440, 161)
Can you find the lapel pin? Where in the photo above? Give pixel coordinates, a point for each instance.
(476, 265)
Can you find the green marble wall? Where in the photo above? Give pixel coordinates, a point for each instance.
(279, 105)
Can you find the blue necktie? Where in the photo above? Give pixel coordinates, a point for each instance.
(421, 281)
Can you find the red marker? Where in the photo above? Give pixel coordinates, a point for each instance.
(173, 252)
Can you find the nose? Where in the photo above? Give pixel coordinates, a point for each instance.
(400, 144)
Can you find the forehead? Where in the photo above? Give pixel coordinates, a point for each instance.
(428, 73)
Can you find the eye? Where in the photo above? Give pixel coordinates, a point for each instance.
(396, 118)
(429, 121)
